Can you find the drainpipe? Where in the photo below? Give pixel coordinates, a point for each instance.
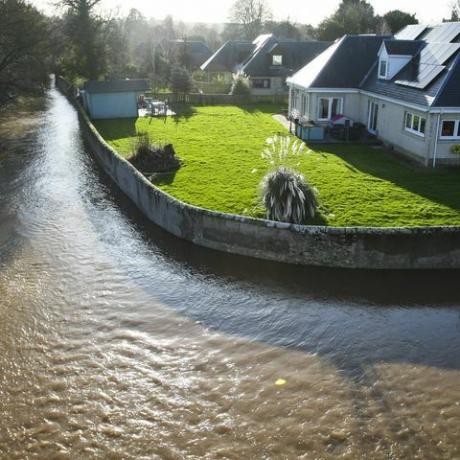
(435, 152)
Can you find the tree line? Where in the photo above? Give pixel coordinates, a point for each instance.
(81, 43)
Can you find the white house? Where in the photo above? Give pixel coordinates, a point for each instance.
(405, 89)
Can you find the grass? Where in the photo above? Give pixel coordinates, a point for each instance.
(358, 185)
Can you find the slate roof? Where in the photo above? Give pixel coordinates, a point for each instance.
(423, 79)
(197, 51)
(116, 86)
(255, 59)
(228, 56)
(403, 47)
(343, 65)
(295, 55)
(449, 93)
(430, 78)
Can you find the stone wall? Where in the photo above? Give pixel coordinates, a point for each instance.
(371, 248)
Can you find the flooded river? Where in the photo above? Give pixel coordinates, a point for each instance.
(120, 342)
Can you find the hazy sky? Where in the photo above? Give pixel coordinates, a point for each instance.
(303, 11)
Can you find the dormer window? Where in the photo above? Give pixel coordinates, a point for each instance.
(383, 69)
(277, 59)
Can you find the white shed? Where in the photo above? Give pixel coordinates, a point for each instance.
(114, 98)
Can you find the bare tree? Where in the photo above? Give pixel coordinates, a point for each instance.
(455, 12)
(251, 14)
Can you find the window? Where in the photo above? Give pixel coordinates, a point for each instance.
(261, 83)
(329, 107)
(277, 59)
(415, 124)
(450, 129)
(383, 69)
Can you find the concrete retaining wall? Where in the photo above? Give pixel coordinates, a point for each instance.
(371, 248)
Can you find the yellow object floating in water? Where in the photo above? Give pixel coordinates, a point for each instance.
(280, 382)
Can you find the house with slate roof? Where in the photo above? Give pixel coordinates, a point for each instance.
(405, 89)
(266, 62)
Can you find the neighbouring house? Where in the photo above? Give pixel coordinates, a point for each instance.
(225, 61)
(189, 53)
(405, 89)
(113, 98)
(266, 62)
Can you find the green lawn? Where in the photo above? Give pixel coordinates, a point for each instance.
(358, 185)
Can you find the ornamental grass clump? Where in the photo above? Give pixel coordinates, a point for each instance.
(286, 195)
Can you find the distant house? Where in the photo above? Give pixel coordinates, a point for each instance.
(189, 53)
(266, 62)
(404, 89)
(114, 98)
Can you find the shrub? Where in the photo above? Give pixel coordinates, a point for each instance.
(149, 157)
(287, 197)
(455, 149)
(240, 86)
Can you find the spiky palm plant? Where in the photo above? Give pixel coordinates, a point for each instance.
(288, 197)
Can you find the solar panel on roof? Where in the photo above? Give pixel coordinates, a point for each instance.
(411, 32)
(426, 74)
(444, 33)
(438, 53)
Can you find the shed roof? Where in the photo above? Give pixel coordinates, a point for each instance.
(116, 86)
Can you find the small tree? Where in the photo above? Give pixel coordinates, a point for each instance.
(181, 81)
(240, 86)
(396, 20)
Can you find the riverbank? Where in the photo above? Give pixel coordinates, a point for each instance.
(358, 247)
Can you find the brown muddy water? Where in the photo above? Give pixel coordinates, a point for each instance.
(120, 342)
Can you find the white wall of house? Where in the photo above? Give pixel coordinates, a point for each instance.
(391, 127)
(444, 153)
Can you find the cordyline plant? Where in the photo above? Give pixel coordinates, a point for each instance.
(285, 194)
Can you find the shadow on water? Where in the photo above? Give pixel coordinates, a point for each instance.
(352, 317)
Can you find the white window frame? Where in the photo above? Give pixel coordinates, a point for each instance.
(456, 130)
(329, 109)
(414, 129)
(278, 56)
(385, 75)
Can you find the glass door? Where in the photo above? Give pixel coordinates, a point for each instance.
(373, 117)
